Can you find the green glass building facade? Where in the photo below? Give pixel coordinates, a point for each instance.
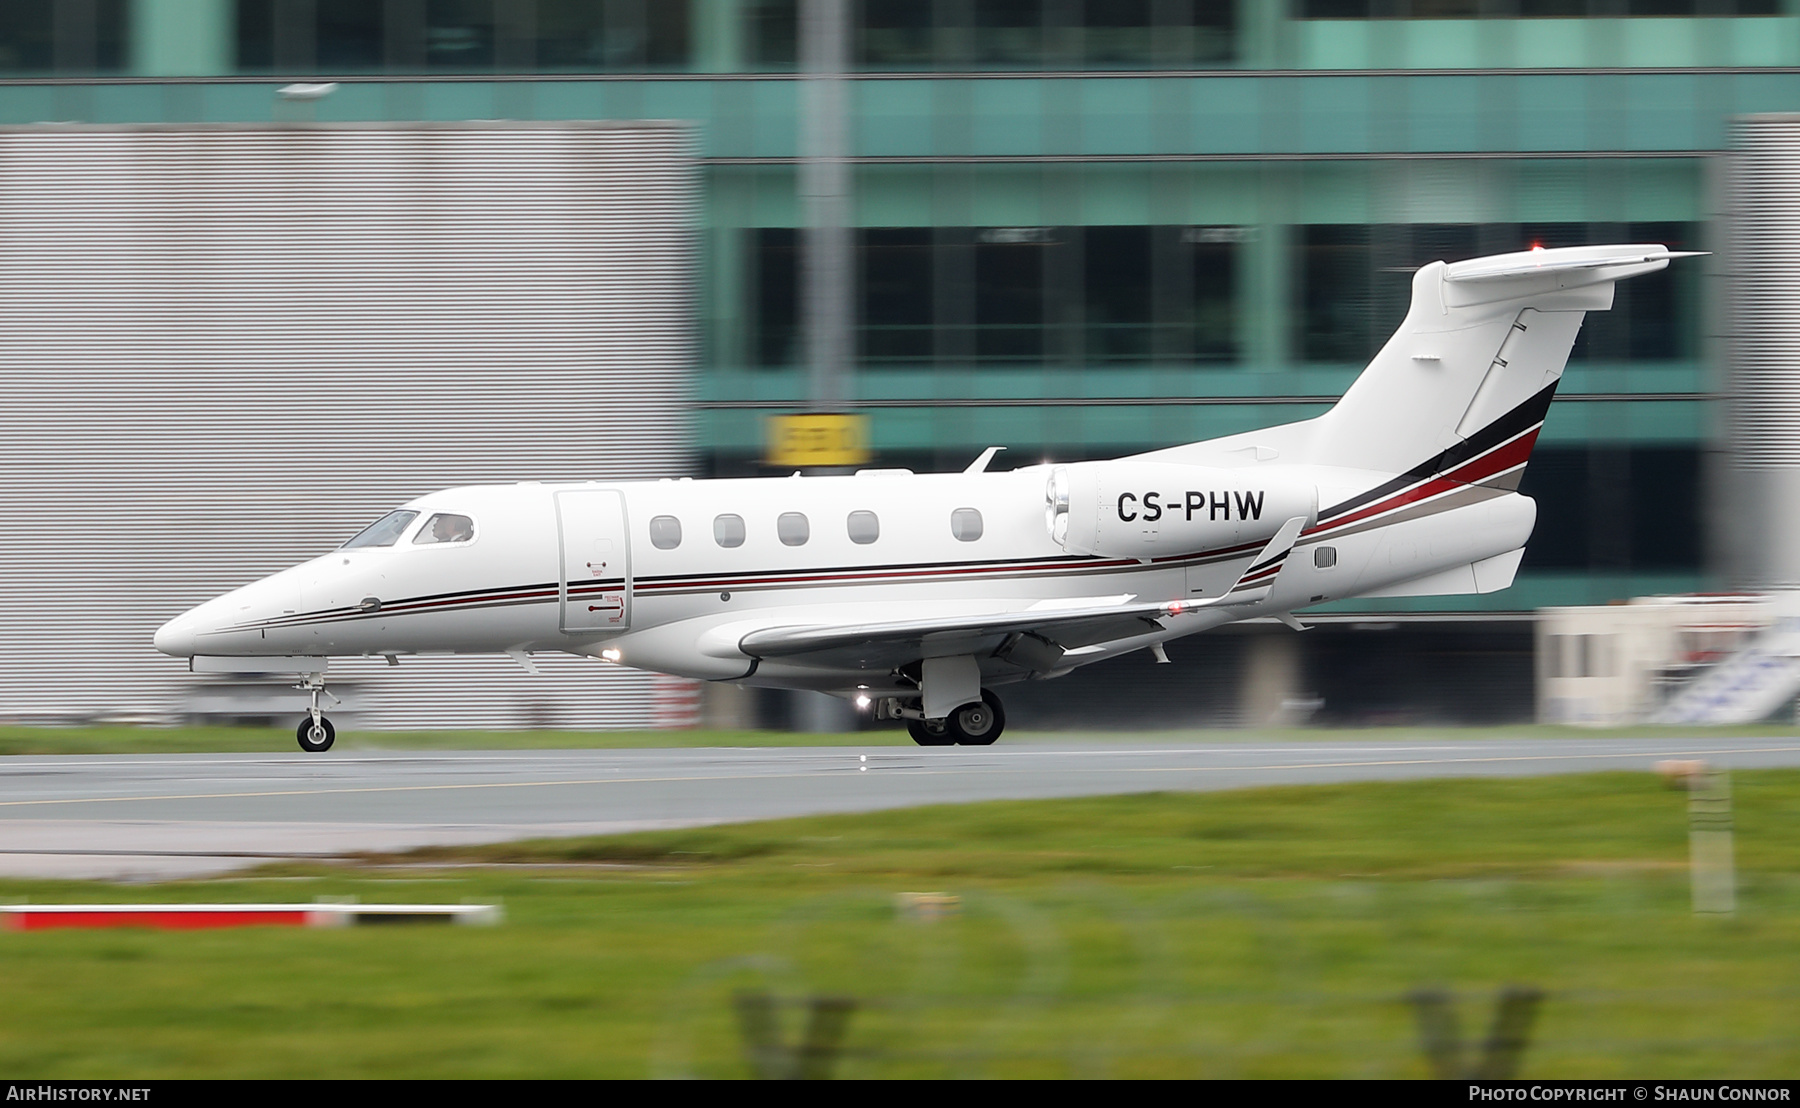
(1088, 228)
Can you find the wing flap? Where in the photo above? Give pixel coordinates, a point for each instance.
(943, 631)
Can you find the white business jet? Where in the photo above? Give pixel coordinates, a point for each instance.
(917, 594)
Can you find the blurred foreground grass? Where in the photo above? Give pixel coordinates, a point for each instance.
(1272, 932)
(119, 739)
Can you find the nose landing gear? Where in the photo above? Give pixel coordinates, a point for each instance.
(315, 733)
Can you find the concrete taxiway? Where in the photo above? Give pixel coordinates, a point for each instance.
(160, 816)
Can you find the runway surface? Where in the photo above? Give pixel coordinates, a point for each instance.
(159, 816)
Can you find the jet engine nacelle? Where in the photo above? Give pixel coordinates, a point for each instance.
(1155, 509)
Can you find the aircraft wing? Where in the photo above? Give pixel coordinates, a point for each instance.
(1053, 629)
(1069, 628)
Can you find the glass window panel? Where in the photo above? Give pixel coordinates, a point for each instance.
(1509, 9)
(792, 529)
(1665, 510)
(667, 39)
(255, 32)
(459, 34)
(1335, 270)
(896, 294)
(1119, 33)
(350, 36)
(27, 36)
(571, 36)
(665, 532)
(1215, 258)
(895, 34)
(773, 30)
(112, 35)
(1444, 9)
(775, 278)
(1009, 33)
(1009, 292)
(1215, 30)
(1610, 508)
(965, 524)
(445, 527)
(383, 532)
(1118, 293)
(864, 527)
(728, 530)
(40, 36)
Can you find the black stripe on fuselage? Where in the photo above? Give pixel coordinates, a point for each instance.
(753, 580)
(1521, 418)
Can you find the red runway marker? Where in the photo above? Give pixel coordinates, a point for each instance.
(194, 917)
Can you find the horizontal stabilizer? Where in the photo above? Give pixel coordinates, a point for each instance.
(1529, 263)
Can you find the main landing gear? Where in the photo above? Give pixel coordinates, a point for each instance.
(315, 733)
(977, 723)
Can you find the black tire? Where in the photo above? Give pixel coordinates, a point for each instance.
(932, 732)
(322, 742)
(979, 722)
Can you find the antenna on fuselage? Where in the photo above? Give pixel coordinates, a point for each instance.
(979, 465)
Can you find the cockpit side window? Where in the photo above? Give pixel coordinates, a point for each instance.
(446, 527)
(383, 532)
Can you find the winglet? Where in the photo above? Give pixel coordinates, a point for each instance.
(1259, 579)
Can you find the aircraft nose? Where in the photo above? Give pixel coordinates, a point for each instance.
(176, 637)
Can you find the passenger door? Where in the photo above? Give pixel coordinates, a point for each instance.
(596, 561)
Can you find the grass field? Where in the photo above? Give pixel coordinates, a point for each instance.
(1273, 932)
(214, 740)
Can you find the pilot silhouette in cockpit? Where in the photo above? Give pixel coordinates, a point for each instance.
(449, 528)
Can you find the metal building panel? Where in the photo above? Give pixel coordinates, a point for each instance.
(227, 348)
(1762, 268)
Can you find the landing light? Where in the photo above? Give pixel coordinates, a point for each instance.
(612, 654)
(863, 702)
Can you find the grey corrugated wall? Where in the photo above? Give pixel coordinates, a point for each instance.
(223, 349)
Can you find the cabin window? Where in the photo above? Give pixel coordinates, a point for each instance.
(965, 524)
(1324, 557)
(728, 530)
(665, 532)
(864, 527)
(792, 529)
(383, 532)
(445, 527)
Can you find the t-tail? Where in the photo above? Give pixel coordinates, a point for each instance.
(1461, 390)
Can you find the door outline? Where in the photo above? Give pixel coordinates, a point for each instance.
(595, 599)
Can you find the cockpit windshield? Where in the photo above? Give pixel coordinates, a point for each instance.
(446, 527)
(383, 532)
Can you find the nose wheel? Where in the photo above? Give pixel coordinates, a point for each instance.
(315, 733)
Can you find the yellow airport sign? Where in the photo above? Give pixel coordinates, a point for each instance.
(818, 440)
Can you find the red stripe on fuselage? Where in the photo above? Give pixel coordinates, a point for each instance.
(1508, 454)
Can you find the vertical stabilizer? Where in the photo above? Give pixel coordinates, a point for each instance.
(1472, 369)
